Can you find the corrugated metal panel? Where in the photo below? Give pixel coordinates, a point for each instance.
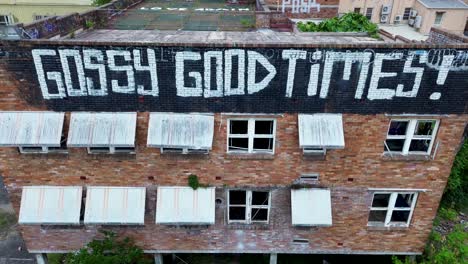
(50, 205)
(321, 130)
(193, 131)
(183, 205)
(102, 130)
(115, 205)
(31, 128)
(310, 207)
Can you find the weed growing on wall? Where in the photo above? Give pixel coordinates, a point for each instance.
(350, 22)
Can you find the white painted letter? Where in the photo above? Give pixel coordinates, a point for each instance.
(182, 90)
(292, 56)
(240, 89)
(64, 54)
(314, 75)
(53, 76)
(374, 91)
(130, 87)
(417, 79)
(87, 55)
(218, 55)
(151, 68)
(254, 57)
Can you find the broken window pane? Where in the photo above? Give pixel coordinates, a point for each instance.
(395, 144)
(239, 144)
(260, 198)
(259, 214)
(263, 144)
(400, 216)
(420, 145)
(237, 197)
(264, 127)
(377, 216)
(398, 128)
(239, 127)
(404, 200)
(381, 200)
(425, 128)
(236, 213)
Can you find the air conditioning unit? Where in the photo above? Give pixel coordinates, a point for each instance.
(418, 21)
(413, 13)
(411, 22)
(383, 18)
(398, 19)
(386, 9)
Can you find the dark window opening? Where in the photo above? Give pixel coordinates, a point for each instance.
(259, 214)
(381, 200)
(357, 10)
(237, 197)
(419, 145)
(99, 149)
(263, 144)
(264, 127)
(377, 216)
(236, 213)
(124, 149)
(239, 144)
(404, 200)
(398, 128)
(239, 127)
(394, 145)
(400, 216)
(369, 13)
(406, 14)
(260, 198)
(31, 149)
(424, 128)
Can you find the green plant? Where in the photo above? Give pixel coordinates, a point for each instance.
(448, 213)
(72, 35)
(100, 2)
(89, 24)
(193, 181)
(350, 22)
(6, 220)
(108, 251)
(456, 193)
(247, 23)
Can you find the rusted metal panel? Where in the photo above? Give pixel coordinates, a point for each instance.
(311, 207)
(102, 129)
(50, 205)
(321, 130)
(31, 128)
(194, 131)
(183, 205)
(115, 205)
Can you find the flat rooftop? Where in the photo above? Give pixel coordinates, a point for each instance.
(260, 37)
(190, 15)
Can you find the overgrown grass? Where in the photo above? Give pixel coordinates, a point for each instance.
(100, 2)
(456, 192)
(6, 220)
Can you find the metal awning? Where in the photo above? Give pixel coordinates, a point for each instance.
(321, 131)
(183, 205)
(193, 131)
(311, 207)
(50, 205)
(102, 130)
(31, 129)
(115, 205)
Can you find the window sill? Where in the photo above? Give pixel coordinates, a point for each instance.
(249, 156)
(410, 157)
(252, 226)
(312, 157)
(387, 228)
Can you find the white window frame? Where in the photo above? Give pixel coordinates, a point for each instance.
(248, 207)
(169, 150)
(391, 208)
(251, 135)
(112, 150)
(438, 21)
(371, 14)
(9, 20)
(44, 150)
(409, 136)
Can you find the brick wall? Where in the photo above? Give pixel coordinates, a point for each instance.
(441, 36)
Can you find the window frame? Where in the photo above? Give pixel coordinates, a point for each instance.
(369, 14)
(438, 21)
(111, 150)
(357, 10)
(8, 20)
(406, 13)
(410, 136)
(248, 207)
(391, 208)
(184, 151)
(251, 136)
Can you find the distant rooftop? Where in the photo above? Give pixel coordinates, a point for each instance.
(444, 4)
(192, 15)
(260, 37)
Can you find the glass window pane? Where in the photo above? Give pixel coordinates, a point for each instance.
(239, 127)
(400, 216)
(237, 197)
(263, 144)
(381, 200)
(404, 200)
(239, 144)
(259, 214)
(264, 127)
(377, 216)
(236, 213)
(398, 128)
(419, 145)
(260, 198)
(425, 128)
(394, 144)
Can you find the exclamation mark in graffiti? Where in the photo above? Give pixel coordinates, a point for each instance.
(443, 72)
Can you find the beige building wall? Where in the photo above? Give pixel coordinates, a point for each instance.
(398, 7)
(453, 19)
(24, 11)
